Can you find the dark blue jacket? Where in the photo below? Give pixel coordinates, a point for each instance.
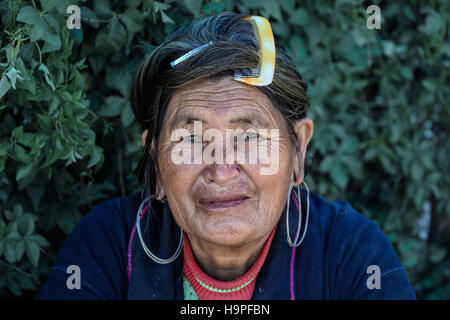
(331, 263)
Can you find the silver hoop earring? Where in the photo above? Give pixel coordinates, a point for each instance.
(147, 250)
(297, 233)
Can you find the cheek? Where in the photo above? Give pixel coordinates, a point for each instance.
(176, 178)
(280, 160)
(273, 188)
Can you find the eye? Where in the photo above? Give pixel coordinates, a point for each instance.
(251, 136)
(193, 138)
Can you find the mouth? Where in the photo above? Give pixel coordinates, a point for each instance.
(222, 201)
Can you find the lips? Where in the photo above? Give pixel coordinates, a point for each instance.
(223, 201)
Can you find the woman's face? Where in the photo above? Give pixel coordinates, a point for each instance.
(224, 202)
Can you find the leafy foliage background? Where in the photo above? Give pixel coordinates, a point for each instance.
(380, 102)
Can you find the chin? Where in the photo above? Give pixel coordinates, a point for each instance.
(229, 233)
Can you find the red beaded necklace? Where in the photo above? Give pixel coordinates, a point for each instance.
(208, 288)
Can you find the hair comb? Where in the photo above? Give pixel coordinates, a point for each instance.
(263, 74)
(190, 54)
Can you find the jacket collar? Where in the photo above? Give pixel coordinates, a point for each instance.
(150, 280)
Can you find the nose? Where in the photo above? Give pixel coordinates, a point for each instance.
(221, 174)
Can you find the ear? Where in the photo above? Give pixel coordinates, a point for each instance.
(160, 192)
(304, 129)
(144, 137)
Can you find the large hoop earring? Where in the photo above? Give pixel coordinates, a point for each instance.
(297, 233)
(147, 250)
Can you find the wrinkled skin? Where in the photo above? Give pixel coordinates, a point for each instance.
(227, 236)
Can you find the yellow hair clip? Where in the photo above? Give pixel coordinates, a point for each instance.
(266, 67)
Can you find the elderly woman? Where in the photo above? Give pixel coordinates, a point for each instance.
(221, 214)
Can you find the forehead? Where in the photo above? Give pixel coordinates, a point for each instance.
(220, 97)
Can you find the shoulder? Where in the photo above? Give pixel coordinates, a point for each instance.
(347, 229)
(98, 248)
(353, 247)
(330, 213)
(114, 215)
(106, 226)
(340, 223)
(115, 211)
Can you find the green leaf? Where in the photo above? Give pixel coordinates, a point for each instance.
(53, 155)
(339, 175)
(23, 183)
(18, 210)
(102, 8)
(24, 171)
(11, 229)
(273, 9)
(388, 48)
(119, 79)
(49, 4)
(280, 29)
(416, 171)
(113, 106)
(437, 254)
(327, 164)
(19, 248)
(89, 17)
(4, 86)
(39, 29)
(95, 157)
(10, 215)
(299, 17)
(52, 42)
(10, 253)
(62, 5)
(53, 20)
(406, 72)
(2, 230)
(13, 287)
(26, 224)
(288, 5)
(433, 23)
(194, 6)
(45, 121)
(127, 115)
(349, 145)
(17, 133)
(39, 240)
(33, 252)
(3, 149)
(166, 19)
(429, 84)
(133, 21)
(49, 81)
(14, 75)
(214, 7)
(28, 15)
(35, 194)
(26, 283)
(409, 13)
(298, 47)
(67, 221)
(28, 81)
(117, 34)
(159, 6)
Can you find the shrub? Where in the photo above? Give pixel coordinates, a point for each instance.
(68, 138)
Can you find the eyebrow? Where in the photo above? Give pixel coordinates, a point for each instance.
(184, 118)
(246, 117)
(249, 117)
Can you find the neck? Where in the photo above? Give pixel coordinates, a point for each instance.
(225, 263)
